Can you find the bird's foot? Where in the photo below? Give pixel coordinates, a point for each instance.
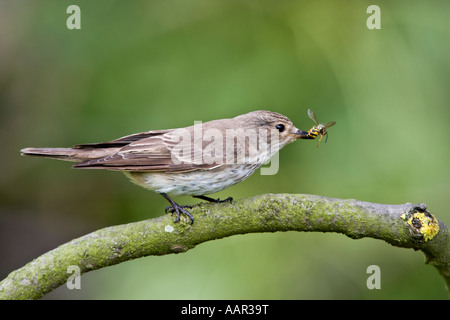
(175, 207)
(229, 199)
(180, 210)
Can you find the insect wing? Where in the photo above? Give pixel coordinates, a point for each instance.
(312, 116)
(329, 124)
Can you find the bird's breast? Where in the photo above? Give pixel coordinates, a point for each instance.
(199, 182)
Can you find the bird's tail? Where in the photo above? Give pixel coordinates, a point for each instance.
(67, 154)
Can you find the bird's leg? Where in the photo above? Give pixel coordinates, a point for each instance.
(229, 199)
(177, 208)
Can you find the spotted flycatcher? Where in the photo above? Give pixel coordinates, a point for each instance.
(198, 160)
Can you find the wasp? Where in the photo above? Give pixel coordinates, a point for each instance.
(319, 129)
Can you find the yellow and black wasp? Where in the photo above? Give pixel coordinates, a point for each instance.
(319, 128)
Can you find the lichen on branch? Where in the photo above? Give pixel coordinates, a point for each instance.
(404, 225)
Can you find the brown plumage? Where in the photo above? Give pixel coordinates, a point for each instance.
(196, 160)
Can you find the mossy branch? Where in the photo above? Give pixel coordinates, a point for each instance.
(405, 225)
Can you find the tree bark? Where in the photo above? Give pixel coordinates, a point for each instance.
(404, 225)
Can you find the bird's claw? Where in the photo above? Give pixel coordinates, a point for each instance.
(179, 210)
(229, 199)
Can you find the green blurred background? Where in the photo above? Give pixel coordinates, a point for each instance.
(142, 65)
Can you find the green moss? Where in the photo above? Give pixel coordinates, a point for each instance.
(265, 213)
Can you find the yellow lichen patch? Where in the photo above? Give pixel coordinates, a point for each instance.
(423, 223)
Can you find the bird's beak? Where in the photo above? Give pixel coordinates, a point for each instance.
(299, 134)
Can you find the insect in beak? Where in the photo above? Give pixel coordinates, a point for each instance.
(319, 129)
(300, 134)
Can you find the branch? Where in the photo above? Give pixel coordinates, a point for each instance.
(405, 225)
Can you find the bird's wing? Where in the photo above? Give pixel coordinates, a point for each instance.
(123, 141)
(158, 151)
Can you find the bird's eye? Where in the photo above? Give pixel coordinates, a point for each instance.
(280, 127)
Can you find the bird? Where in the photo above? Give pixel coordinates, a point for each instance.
(197, 160)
